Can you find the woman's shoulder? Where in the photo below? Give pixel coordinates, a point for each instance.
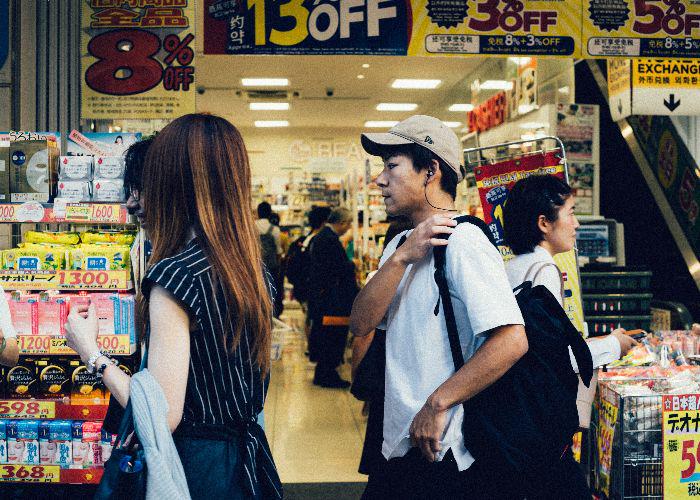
(191, 261)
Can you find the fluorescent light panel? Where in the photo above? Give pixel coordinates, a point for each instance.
(265, 82)
(496, 85)
(412, 83)
(271, 123)
(380, 124)
(269, 106)
(461, 107)
(396, 106)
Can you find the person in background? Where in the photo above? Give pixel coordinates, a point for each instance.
(539, 223)
(133, 176)
(206, 308)
(9, 350)
(333, 289)
(271, 244)
(284, 237)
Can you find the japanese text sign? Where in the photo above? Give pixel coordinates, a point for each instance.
(681, 441)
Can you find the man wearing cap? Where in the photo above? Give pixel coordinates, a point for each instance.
(423, 440)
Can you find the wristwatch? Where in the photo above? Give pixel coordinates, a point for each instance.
(90, 365)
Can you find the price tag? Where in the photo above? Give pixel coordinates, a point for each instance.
(111, 344)
(78, 212)
(27, 409)
(34, 344)
(66, 280)
(7, 213)
(30, 473)
(110, 213)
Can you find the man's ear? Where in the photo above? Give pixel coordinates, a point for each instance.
(433, 172)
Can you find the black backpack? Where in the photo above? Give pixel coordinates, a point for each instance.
(297, 268)
(527, 418)
(268, 247)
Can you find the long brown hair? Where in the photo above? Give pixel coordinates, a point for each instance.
(197, 176)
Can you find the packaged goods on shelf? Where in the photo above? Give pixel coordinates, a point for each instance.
(108, 190)
(33, 257)
(107, 443)
(52, 314)
(3, 441)
(86, 387)
(87, 443)
(55, 443)
(21, 380)
(4, 171)
(118, 237)
(75, 168)
(96, 257)
(60, 238)
(53, 377)
(24, 311)
(32, 170)
(109, 167)
(75, 191)
(23, 442)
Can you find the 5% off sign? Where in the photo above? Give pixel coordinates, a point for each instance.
(681, 446)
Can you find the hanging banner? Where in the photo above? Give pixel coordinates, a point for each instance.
(641, 28)
(494, 182)
(620, 88)
(666, 87)
(681, 440)
(137, 59)
(392, 27)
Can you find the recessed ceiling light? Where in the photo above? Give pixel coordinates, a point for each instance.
(360, 77)
(396, 106)
(414, 83)
(461, 107)
(271, 123)
(365, 65)
(265, 82)
(380, 124)
(496, 85)
(269, 106)
(452, 124)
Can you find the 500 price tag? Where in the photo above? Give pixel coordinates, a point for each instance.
(31, 474)
(114, 344)
(27, 409)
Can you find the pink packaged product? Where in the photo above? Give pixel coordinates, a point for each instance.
(25, 313)
(87, 443)
(107, 308)
(52, 314)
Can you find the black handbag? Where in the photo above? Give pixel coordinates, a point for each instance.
(368, 382)
(125, 473)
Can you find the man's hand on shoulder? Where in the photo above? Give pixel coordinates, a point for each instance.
(424, 237)
(427, 429)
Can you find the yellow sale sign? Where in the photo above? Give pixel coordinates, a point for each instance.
(681, 441)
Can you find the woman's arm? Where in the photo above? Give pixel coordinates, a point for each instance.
(168, 350)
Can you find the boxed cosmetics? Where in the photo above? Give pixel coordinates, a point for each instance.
(3, 441)
(24, 311)
(23, 442)
(4, 171)
(86, 387)
(20, 380)
(53, 377)
(107, 443)
(108, 190)
(75, 168)
(87, 446)
(76, 191)
(52, 314)
(32, 170)
(60, 443)
(109, 167)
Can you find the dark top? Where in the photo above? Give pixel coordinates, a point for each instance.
(333, 285)
(224, 389)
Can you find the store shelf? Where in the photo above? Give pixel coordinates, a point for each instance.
(46, 409)
(66, 280)
(31, 473)
(80, 213)
(32, 345)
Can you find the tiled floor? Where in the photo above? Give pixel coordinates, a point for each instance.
(316, 434)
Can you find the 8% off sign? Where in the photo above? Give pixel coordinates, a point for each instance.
(681, 441)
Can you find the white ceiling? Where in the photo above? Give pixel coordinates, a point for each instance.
(354, 100)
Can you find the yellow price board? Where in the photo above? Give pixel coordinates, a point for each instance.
(110, 344)
(27, 409)
(681, 441)
(33, 345)
(30, 473)
(66, 280)
(105, 213)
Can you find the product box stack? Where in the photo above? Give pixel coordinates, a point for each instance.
(88, 178)
(616, 297)
(28, 170)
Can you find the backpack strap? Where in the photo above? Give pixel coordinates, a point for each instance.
(543, 265)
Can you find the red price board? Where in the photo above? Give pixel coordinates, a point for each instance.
(30, 473)
(681, 441)
(27, 409)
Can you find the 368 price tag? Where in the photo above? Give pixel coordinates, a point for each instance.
(27, 409)
(30, 473)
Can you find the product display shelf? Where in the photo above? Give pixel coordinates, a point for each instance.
(48, 474)
(78, 213)
(48, 409)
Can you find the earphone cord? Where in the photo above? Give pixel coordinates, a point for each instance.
(425, 192)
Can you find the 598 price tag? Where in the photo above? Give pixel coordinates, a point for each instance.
(27, 409)
(30, 473)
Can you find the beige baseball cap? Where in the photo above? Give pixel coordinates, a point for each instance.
(425, 131)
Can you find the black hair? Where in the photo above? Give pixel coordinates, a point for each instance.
(264, 210)
(422, 158)
(133, 165)
(318, 216)
(274, 219)
(527, 200)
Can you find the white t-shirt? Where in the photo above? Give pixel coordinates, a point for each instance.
(8, 330)
(263, 226)
(418, 357)
(603, 351)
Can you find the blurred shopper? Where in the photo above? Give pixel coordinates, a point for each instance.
(539, 223)
(333, 289)
(205, 309)
(271, 246)
(423, 442)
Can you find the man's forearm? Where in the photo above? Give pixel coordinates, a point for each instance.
(504, 347)
(374, 299)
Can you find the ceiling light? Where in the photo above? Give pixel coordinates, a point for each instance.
(360, 77)
(452, 124)
(271, 123)
(496, 85)
(461, 107)
(396, 106)
(365, 65)
(380, 124)
(413, 83)
(269, 106)
(564, 90)
(265, 82)
(534, 125)
(520, 61)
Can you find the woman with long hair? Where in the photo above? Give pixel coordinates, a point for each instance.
(205, 309)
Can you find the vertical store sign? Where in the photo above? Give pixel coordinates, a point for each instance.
(620, 88)
(137, 59)
(641, 28)
(681, 441)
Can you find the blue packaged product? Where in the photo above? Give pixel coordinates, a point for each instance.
(14, 452)
(3, 441)
(45, 451)
(28, 436)
(60, 442)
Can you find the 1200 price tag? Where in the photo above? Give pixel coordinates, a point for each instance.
(34, 344)
(31, 474)
(27, 409)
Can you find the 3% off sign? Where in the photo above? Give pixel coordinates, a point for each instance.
(681, 442)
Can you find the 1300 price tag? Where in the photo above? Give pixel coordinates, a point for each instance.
(30, 473)
(27, 409)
